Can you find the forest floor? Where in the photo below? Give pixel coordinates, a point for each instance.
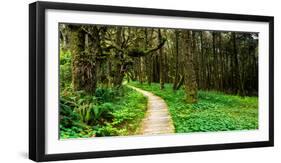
(214, 111)
(157, 119)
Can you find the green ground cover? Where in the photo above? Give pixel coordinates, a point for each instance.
(108, 113)
(215, 111)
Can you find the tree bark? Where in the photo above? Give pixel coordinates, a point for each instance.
(161, 61)
(83, 60)
(176, 77)
(118, 77)
(189, 72)
(238, 80)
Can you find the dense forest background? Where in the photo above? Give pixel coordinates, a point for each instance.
(97, 58)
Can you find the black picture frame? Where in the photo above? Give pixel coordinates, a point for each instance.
(37, 80)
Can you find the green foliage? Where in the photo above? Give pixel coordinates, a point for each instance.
(68, 117)
(112, 112)
(214, 111)
(65, 68)
(70, 125)
(105, 95)
(128, 113)
(102, 113)
(91, 114)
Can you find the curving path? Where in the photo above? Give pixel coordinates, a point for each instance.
(157, 119)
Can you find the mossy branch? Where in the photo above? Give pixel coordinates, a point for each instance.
(138, 52)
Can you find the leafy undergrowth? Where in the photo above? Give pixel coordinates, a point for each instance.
(108, 113)
(215, 111)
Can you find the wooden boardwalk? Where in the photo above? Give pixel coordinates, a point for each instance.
(157, 119)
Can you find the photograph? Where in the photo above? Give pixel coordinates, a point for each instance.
(111, 81)
(145, 81)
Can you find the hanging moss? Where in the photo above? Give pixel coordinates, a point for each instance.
(83, 62)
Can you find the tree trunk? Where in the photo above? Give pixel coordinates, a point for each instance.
(83, 62)
(161, 67)
(195, 57)
(176, 78)
(119, 76)
(221, 75)
(189, 72)
(238, 80)
(109, 70)
(148, 61)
